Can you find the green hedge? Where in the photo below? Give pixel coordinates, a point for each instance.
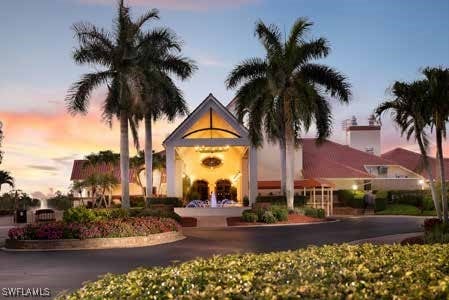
(328, 272)
(282, 200)
(351, 198)
(314, 212)
(414, 197)
(380, 204)
(176, 202)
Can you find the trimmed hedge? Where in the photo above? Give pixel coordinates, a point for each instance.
(249, 216)
(314, 212)
(380, 204)
(298, 200)
(351, 198)
(328, 272)
(176, 202)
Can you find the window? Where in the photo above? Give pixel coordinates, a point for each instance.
(382, 170)
(369, 150)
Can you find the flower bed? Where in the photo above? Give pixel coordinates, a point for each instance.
(292, 219)
(113, 228)
(328, 272)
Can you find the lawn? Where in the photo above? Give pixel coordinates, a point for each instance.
(328, 272)
(405, 209)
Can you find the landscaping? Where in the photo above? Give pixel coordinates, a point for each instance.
(414, 203)
(328, 272)
(265, 213)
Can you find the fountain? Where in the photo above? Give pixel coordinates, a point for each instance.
(213, 200)
(43, 203)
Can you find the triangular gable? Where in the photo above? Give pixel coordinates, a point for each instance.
(227, 119)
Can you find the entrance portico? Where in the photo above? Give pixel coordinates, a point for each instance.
(212, 147)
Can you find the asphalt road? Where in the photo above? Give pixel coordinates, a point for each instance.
(61, 270)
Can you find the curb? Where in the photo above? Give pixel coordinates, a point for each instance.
(280, 225)
(92, 244)
(386, 239)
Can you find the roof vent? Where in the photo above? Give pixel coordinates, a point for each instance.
(371, 120)
(353, 121)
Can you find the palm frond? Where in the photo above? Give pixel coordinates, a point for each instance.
(248, 69)
(299, 28)
(152, 14)
(77, 98)
(334, 82)
(270, 37)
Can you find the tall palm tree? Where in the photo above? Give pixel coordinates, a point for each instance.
(6, 178)
(284, 92)
(160, 58)
(409, 110)
(438, 96)
(117, 54)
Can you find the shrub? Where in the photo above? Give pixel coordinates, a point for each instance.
(79, 214)
(314, 212)
(327, 272)
(268, 217)
(298, 200)
(380, 204)
(98, 229)
(110, 213)
(351, 198)
(259, 211)
(175, 201)
(279, 212)
(345, 196)
(427, 203)
(249, 216)
(414, 198)
(161, 213)
(245, 201)
(438, 234)
(430, 224)
(137, 201)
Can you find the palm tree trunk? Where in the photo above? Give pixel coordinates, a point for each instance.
(430, 175)
(439, 138)
(124, 158)
(290, 173)
(148, 156)
(283, 166)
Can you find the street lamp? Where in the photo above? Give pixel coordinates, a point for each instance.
(421, 183)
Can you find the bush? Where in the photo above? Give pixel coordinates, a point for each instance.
(436, 232)
(327, 272)
(245, 201)
(8, 201)
(380, 204)
(98, 229)
(427, 203)
(345, 196)
(314, 212)
(176, 202)
(298, 200)
(137, 201)
(430, 224)
(414, 198)
(249, 216)
(79, 214)
(268, 217)
(351, 198)
(161, 213)
(279, 212)
(82, 214)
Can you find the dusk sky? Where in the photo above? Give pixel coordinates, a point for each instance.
(373, 43)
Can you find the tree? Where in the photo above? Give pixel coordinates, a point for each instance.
(160, 58)
(99, 185)
(438, 100)
(116, 58)
(6, 178)
(284, 92)
(409, 110)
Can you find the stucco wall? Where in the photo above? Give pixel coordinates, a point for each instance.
(361, 139)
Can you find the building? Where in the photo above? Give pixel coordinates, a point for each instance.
(211, 150)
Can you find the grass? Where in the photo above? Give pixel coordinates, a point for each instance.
(405, 209)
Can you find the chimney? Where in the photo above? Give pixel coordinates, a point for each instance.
(365, 138)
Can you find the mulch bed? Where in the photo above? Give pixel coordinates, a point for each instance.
(292, 219)
(415, 240)
(188, 222)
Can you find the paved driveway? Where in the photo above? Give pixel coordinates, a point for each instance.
(68, 269)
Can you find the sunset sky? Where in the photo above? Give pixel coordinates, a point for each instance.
(374, 43)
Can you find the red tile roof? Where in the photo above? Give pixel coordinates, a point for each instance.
(299, 184)
(333, 160)
(363, 127)
(81, 170)
(413, 161)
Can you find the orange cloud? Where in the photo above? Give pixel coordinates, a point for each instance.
(40, 147)
(191, 5)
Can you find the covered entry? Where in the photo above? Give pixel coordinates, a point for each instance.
(211, 146)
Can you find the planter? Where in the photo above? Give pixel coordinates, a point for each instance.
(97, 243)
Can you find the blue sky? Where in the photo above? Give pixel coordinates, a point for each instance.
(373, 43)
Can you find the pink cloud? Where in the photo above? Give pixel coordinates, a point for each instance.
(190, 5)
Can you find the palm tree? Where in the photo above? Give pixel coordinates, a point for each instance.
(6, 178)
(161, 97)
(438, 97)
(409, 110)
(116, 54)
(284, 92)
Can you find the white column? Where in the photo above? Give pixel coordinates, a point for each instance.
(170, 165)
(322, 197)
(252, 175)
(332, 201)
